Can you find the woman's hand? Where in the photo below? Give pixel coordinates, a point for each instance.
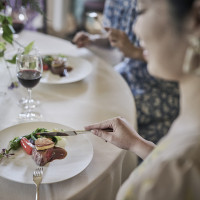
(123, 136)
(81, 39)
(120, 40)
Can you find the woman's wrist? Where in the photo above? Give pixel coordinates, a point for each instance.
(142, 147)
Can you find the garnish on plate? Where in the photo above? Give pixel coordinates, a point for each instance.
(43, 149)
(5, 153)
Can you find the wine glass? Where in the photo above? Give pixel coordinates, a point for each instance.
(29, 72)
(27, 103)
(19, 19)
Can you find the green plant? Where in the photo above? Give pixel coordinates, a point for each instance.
(7, 31)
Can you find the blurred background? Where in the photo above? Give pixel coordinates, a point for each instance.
(62, 18)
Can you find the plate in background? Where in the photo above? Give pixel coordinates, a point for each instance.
(81, 69)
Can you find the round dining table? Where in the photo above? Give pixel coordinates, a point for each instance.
(101, 95)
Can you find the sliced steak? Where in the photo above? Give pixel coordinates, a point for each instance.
(41, 157)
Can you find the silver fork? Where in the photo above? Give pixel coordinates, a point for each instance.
(37, 178)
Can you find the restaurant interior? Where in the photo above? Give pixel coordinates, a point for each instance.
(91, 92)
(65, 18)
(81, 117)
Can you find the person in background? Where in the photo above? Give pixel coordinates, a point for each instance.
(170, 170)
(157, 101)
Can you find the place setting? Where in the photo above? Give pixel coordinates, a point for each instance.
(55, 88)
(34, 68)
(61, 157)
(17, 146)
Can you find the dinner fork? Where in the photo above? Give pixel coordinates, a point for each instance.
(37, 178)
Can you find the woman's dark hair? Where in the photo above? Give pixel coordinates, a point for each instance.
(180, 9)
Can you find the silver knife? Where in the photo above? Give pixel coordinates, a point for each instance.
(68, 133)
(63, 133)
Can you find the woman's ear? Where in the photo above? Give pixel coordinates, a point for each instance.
(191, 64)
(195, 14)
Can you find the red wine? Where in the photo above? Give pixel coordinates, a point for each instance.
(18, 27)
(29, 78)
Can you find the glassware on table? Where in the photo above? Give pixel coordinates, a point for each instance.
(93, 22)
(19, 18)
(26, 103)
(29, 72)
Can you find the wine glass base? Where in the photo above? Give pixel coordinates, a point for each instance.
(28, 104)
(30, 116)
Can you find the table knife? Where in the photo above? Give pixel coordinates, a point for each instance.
(68, 133)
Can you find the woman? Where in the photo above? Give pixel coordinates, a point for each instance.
(156, 100)
(170, 30)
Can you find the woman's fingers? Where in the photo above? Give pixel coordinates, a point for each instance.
(103, 134)
(113, 43)
(107, 124)
(102, 125)
(122, 134)
(115, 37)
(107, 28)
(81, 39)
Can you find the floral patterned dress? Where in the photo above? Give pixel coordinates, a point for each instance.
(157, 101)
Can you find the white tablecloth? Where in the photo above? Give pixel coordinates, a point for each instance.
(101, 95)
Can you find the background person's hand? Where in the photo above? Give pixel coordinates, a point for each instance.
(120, 40)
(81, 39)
(123, 136)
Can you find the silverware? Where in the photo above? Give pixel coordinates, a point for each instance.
(67, 133)
(37, 179)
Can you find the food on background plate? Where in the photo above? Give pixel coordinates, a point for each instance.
(42, 148)
(58, 64)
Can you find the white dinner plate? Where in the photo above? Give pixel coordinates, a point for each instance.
(20, 167)
(81, 69)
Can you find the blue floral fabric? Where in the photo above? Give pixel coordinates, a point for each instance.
(157, 101)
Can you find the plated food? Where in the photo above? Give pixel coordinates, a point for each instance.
(62, 69)
(57, 64)
(43, 149)
(20, 166)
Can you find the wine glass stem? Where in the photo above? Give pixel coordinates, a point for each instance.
(30, 97)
